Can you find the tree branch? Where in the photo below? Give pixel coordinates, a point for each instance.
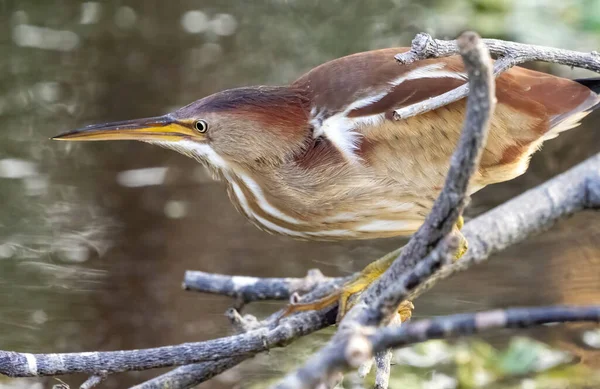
(532, 212)
(248, 289)
(15, 364)
(93, 381)
(453, 197)
(471, 323)
(186, 377)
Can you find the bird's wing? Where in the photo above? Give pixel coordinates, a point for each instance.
(353, 99)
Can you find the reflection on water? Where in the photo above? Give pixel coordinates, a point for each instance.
(94, 238)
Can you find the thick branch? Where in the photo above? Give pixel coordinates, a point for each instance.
(532, 212)
(15, 364)
(509, 54)
(451, 201)
(382, 298)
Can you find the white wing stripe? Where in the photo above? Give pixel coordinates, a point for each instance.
(342, 130)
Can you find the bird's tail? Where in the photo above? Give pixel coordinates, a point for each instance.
(573, 118)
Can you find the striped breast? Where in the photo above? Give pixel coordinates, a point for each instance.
(338, 218)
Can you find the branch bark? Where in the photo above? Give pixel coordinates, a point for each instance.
(248, 289)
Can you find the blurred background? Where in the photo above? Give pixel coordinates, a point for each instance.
(95, 237)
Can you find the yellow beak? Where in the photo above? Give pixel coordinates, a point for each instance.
(160, 128)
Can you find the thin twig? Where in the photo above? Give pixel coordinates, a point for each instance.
(383, 364)
(383, 360)
(247, 289)
(361, 346)
(186, 377)
(472, 323)
(93, 381)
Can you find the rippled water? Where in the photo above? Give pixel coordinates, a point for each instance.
(95, 237)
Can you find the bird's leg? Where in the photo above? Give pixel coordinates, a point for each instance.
(362, 281)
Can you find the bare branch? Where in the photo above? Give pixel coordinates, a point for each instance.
(532, 212)
(384, 295)
(189, 376)
(362, 346)
(471, 323)
(247, 289)
(383, 364)
(15, 364)
(451, 201)
(383, 361)
(509, 54)
(93, 381)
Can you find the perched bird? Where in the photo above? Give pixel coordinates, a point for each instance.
(324, 159)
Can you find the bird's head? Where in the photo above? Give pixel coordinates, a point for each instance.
(243, 126)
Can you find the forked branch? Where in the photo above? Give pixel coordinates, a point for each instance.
(383, 297)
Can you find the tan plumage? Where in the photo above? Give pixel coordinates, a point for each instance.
(323, 158)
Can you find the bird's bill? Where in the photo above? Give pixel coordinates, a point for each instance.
(160, 128)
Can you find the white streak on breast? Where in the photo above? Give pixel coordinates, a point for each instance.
(264, 203)
(237, 191)
(344, 216)
(276, 228)
(194, 150)
(331, 233)
(262, 221)
(389, 225)
(205, 150)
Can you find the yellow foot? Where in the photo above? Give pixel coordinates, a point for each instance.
(356, 285)
(362, 281)
(405, 310)
(463, 245)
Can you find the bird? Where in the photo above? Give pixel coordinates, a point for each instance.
(324, 157)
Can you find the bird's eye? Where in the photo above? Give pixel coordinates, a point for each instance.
(201, 126)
